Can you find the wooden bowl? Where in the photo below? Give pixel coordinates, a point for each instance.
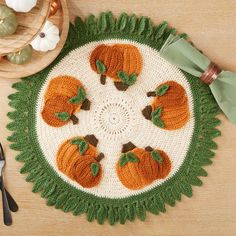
(29, 24)
(39, 60)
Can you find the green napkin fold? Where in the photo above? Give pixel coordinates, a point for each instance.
(182, 54)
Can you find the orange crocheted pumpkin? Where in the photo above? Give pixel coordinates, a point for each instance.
(121, 62)
(78, 159)
(107, 61)
(65, 95)
(129, 167)
(129, 171)
(58, 111)
(69, 87)
(169, 109)
(139, 167)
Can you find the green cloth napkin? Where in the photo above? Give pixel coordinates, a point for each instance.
(181, 53)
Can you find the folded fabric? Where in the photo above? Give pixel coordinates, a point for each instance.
(181, 53)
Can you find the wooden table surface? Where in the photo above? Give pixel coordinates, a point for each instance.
(212, 209)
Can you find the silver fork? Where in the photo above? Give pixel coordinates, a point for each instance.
(6, 210)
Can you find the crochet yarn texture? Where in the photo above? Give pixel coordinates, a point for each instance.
(110, 128)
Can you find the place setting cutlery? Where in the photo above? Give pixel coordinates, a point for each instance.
(8, 202)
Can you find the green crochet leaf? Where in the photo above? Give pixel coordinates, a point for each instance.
(91, 213)
(111, 22)
(128, 157)
(132, 22)
(76, 141)
(161, 90)
(81, 96)
(131, 157)
(82, 145)
(145, 27)
(132, 78)
(160, 29)
(157, 112)
(125, 78)
(102, 22)
(101, 68)
(63, 116)
(156, 117)
(122, 21)
(123, 160)
(95, 169)
(91, 25)
(101, 215)
(156, 156)
(80, 27)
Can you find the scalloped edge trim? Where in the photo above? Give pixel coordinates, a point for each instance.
(70, 199)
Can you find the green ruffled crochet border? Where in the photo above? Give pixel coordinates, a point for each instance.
(66, 197)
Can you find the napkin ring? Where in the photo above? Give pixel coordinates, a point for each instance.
(211, 73)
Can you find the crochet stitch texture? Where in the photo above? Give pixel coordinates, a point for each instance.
(172, 157)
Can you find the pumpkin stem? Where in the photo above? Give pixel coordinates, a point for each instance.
(151, 94)
(86, 105)
(147, 111)
(121, 86)
(149, 149)
(42, 35)
(128, 147)
(103, 79)
(74, 119)
(91, 139)
(100, 157)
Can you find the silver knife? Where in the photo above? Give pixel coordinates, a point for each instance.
(7, 218)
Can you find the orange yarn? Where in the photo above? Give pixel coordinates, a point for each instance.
(111, 57)
(136, 175)
(116, 58)
(83, 174)
(131, 175)
(150, 168)
(77, 166)
(132, 58)
(64, 86)
(55, 105)
(57, 99)
(174, 103)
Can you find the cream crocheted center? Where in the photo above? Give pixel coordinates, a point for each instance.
(115, 117)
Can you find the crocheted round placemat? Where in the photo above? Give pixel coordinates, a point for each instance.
(111, 129)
